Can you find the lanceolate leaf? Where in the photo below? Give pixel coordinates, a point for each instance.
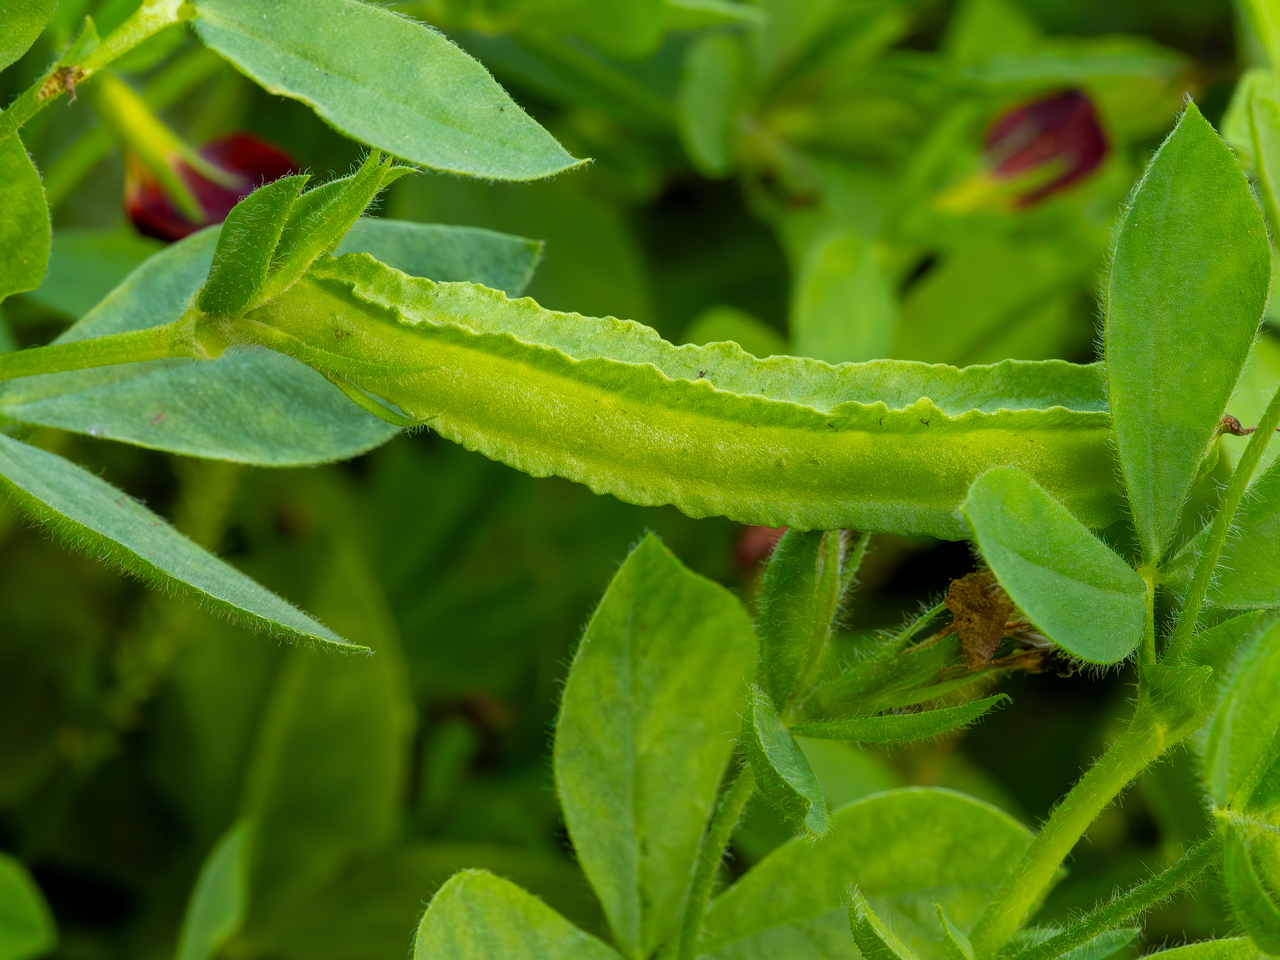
(1252, 903)
(220, 899)
(477, 916)
(887, 445)
(1241, 765)
(23, 21)
(95, 516)
(645, 730)
(24, 221)
(782, 772)
(903, 849)
(900, 728)
(1183, 305)
(1071, 585)
(1249, 572)
(385, 80)
(269, 409)
(788, 616)
(875, 939)
(26, 925)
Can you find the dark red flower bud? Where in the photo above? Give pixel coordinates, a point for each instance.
(248, 162)
(1059, 134)
(756, 544)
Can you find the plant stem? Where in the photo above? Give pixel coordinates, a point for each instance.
(710, 853)
(1022, 889)
(1140, 897)
(1236, 488)
(145, 22)
(155, 343)
(1149, 623)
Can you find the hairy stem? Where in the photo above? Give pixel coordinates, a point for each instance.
(1236, 488)
(1022, 890)
(155, 343)
(1135, 900)
(710, 853)
(1148, 652)
(148, 20)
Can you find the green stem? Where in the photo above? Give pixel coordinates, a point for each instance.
(710, 853)
(1208, 563)
(1021, 891)
(1149, 622)
(1135, 900)
(148, 20)
(155, 343)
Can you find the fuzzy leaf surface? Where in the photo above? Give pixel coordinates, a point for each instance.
(1248, 575)
(645, 730)
(902, 727)
(25, 233)
(26, 925)
(783, 775)
(1188, 284)
(787, 612)
(903, 849)
(386, 81)
(1242, 751)
(1074, 588)
(270, 410)
(477, 916)
(95, 516)
(887, 445)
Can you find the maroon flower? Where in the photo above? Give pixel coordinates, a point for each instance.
(248, 162)
(1056, 133)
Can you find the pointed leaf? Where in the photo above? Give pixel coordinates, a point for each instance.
(902, 848)
(320, 219)
(1248, 574)
(1231, 948)
(1189, 281)
(246, 245)
(271, 410)
(1264, 130)
(24, 221)
(1252, 903)
(23, 20)
(220, 899)
(1242, 750)
(788, 620)
(875, 939)
(644, 735)
(1071, 585)
(93, 515)
(961, 947)
(1215, 646)
(384, 80)
(902, 727)
(783, 775)
(26, 925)
(477, 916)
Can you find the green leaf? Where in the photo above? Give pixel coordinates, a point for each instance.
(721, 323)
(1175, 700)
(1215, 646)
(1183, 307)
(903, 848)
(1071, 585)
(329, 775)
(644, 734)
(384, 80)
(954, 937)
(1241, 758)
(778, 442)
(875, 939)
(246, 244)
(709, 100)
(1233, 948)
(791, 619)
(24, 21)
(271, 410)
(1248, 574)
(220, 899)
(105, 522)
(477, 916)
(843, 308)
(1252, 903)
(87, 264)
(24, 221)
(783, 775)
(26, 925)
(1264, 129)
(902, 727)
